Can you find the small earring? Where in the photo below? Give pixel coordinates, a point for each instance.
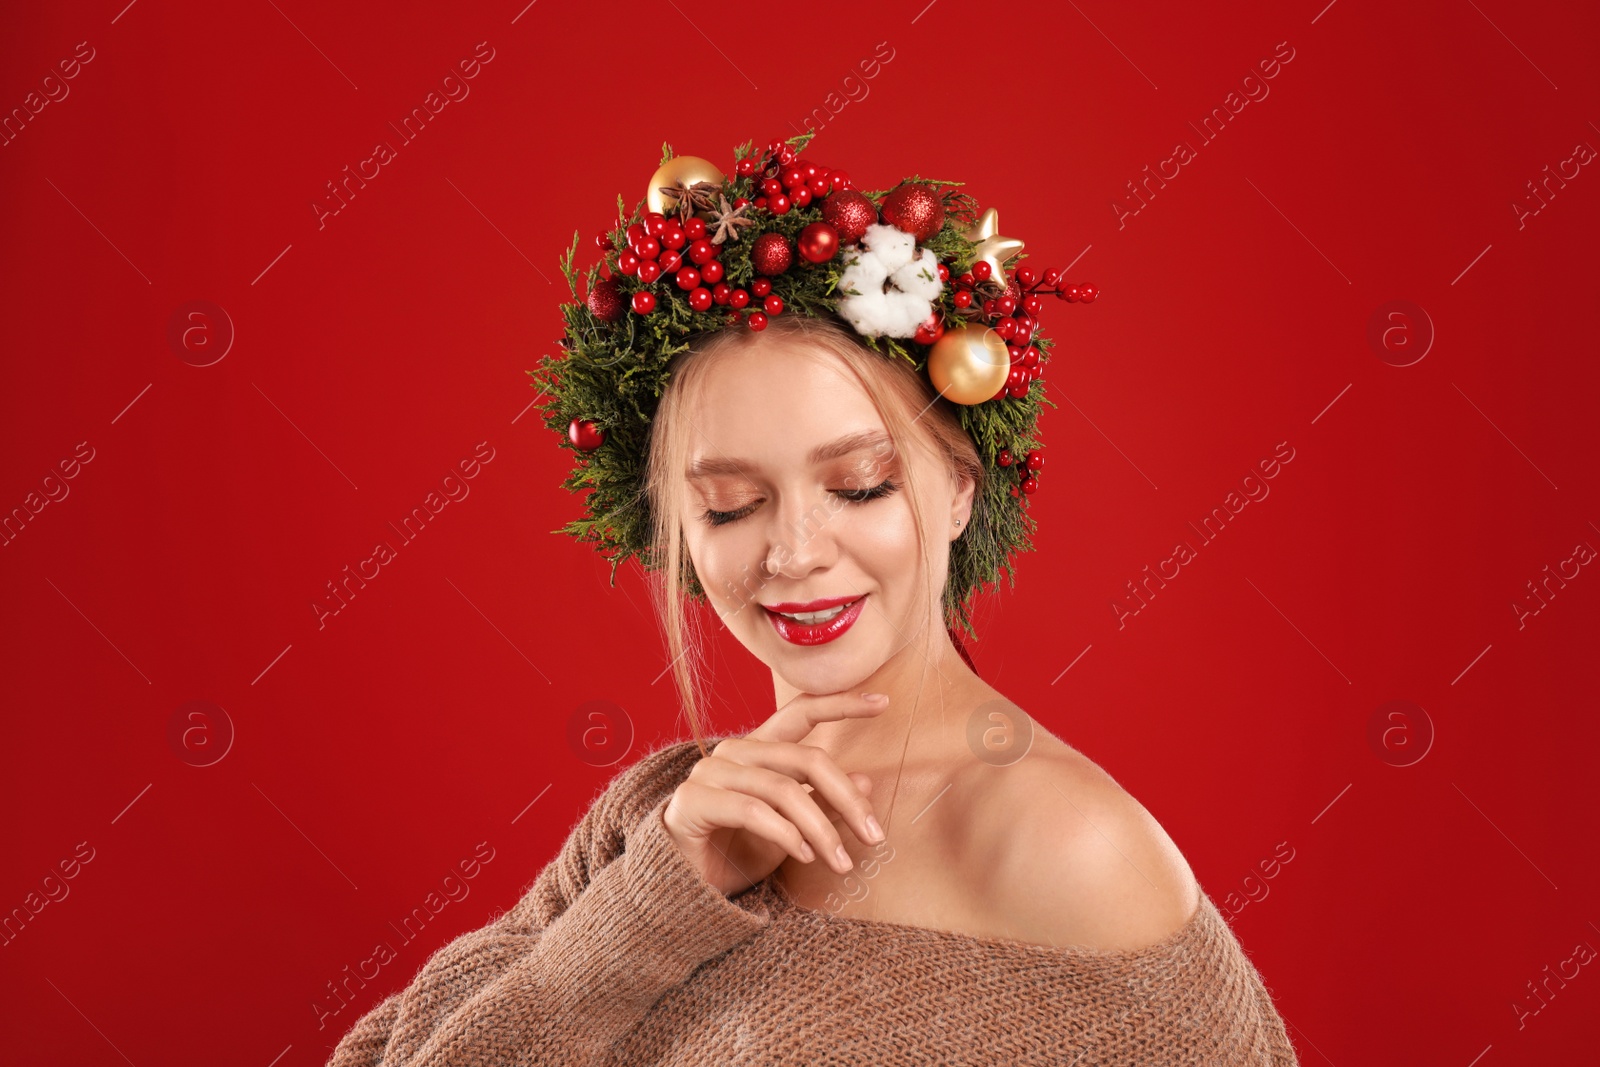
(958, 522)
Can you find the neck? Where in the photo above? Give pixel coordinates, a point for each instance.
(930, 692)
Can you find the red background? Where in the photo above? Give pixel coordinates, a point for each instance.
(372, 755)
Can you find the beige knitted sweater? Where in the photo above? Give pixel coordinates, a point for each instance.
(619, 953)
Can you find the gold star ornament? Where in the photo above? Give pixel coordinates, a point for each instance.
(992, 249)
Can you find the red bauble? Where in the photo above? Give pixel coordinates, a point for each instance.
(818, 242)
(850, 213)
(771, 254)
(585, 434)
(605, 301)
(914, 207)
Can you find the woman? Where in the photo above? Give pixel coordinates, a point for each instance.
(897, 866)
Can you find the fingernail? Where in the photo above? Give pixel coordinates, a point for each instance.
(874, 831)
(806, 853)
(875, 696)
(844, 858)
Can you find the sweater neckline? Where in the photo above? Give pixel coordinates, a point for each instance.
(1193, 929)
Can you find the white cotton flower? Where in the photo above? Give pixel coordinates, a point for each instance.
(887, 287)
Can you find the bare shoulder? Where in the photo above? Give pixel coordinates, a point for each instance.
(1070, 857)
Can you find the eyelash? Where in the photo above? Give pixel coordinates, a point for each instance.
(854, 496)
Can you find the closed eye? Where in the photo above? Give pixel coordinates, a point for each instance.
(854, 496)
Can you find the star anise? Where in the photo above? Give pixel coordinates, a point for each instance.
(689, 198)
(728, 220)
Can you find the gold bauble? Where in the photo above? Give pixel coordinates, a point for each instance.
(969, 364)
(680, 170)
(992, 249)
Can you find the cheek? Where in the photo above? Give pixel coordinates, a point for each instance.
(883, 540)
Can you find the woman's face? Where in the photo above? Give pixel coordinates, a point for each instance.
(780, 439)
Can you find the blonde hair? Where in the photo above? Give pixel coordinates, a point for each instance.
(912, 413)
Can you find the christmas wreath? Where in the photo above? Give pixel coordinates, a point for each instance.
(915, 270)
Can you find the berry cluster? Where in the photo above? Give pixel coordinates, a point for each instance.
(1012, 309)
(1027, 469)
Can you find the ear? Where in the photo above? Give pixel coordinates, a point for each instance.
(961, 506)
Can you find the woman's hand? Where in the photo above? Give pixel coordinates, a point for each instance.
(745, 807)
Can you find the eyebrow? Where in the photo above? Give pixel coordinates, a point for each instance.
(710, 466)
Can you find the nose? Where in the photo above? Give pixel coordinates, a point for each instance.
(801, 538)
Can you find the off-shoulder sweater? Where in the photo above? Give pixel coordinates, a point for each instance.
(620, 952)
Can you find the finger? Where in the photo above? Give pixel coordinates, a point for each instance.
(789, 798)
(795, 720)
(837, 795)
(802, 765)
(716, 808)
(862, 782)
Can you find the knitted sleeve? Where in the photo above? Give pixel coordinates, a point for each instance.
(618, 919)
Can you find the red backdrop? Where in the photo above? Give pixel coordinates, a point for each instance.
(1374, 265)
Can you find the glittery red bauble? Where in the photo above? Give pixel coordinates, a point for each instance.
(849, 212)
(585, 434)
(818, 242)
(914, 208)
(771, 254)
(605, 301)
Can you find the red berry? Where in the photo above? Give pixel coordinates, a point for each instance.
(962, 299)
(688, 278)
(981, 270)
(1027, 276)
(757, 321)
(773, 304)
(1005, 457)
(771, 187)
(627, 262)
(711, 271)
(655, 224)
(839, 180)
(761, 286)
(671, 259)
(701, 251)
(1030, 485)
(1052, 277)
(649, 248)
(779, 205)
(1033, 305)
(695, 228)
(746, 167)
(649, 271)
(603, 240)
(644, 302)
(636, 233)
(738, 298)
(720, 291)
(700, 299)
(1030, 358)
(1005, 305)
(743, 201)
(1035, 460)
(820, 187)
(1014, 491)
(1089, 293)
(944, 273)
(792, 177)
(800, 195)
(673, 237)
(761, 201)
